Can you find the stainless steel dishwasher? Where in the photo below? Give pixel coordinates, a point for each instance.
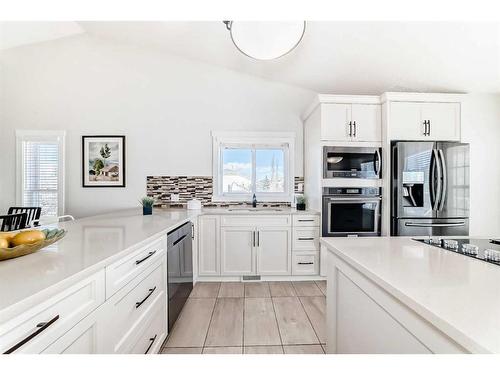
(180, 269)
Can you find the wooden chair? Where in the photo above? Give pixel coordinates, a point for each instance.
(13, 222)
(33, 213)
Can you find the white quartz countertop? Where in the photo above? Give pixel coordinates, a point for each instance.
(90, 244)
(457, 294)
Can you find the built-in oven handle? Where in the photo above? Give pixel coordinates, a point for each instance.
(378, 162)
(440, 225)
(349, 199)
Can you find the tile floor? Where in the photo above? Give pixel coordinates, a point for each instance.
(252, 318)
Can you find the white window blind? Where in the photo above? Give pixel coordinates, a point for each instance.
(40, 170)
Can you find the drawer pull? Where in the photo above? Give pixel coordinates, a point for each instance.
(303, 220)
(306, 238)
(152, 339)
(151, 291)
(305, 263)
(151, 253)
(41, 327)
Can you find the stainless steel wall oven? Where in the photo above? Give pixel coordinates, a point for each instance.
(351, 211)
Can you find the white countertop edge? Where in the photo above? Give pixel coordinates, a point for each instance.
(426, 314)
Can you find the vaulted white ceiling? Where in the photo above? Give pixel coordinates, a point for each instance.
(15, 34)
(341, 57)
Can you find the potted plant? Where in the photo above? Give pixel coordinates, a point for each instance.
(147, 205)
(301, 203)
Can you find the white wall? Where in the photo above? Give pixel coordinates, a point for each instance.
(165, 105)
(481, 128)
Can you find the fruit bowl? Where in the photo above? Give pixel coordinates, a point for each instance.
(51, 236)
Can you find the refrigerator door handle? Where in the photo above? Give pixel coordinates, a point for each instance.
(431, 225)
(444, 185)
(437, 189)
(432, 180)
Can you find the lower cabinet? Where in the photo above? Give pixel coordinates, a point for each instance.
(209, 245)
(87, 337)
(274, 250)
(238, 251)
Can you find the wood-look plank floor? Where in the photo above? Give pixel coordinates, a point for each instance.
(251, 318)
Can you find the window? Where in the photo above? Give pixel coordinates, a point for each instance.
(40, 168)
(253, 163)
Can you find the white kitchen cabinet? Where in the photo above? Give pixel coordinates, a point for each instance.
(37, 328)
(87, 337)
(424, 121)
(335, 122)
(366, 120)
(274, 251)
(209, 245)
(351, 122)
(444, 121)
(238, 251)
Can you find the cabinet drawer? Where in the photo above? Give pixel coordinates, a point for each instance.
(151, 337)
(121, 272)
(133, 305)
(306, 239)
(255, 220)
(305, 263)
(37, 328)
(306, 220)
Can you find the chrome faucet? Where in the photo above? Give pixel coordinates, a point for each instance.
(254, 201)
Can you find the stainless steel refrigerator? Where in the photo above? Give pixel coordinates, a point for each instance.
(429, 189)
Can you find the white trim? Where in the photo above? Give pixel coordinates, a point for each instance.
(40, 135)
(421, 97)
(254, 139)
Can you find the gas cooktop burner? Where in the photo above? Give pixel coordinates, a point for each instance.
(482, 249)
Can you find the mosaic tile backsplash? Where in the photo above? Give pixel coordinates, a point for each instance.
(199, 187)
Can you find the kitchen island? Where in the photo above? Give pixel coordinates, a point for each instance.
(397, 295)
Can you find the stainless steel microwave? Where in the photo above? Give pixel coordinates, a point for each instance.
(352, 162)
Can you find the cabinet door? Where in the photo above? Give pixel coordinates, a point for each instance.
(405, 121)
(274, 251)
(444, 120)
(335, 122)
(84, 338)
(237, 251)
(209, 245)
(367, 120)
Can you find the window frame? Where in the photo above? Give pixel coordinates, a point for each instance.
(58, 136)
(253, 141)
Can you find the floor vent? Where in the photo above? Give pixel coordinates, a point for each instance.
(251, 278)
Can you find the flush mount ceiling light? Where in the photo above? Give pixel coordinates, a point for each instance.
(265, 40)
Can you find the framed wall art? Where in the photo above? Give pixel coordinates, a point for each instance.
(103, 161)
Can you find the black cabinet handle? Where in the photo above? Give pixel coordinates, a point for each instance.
(306, 238)
(152, 339)
(192, 231)
(354, 133)
(41, 327)
(258, 238)
(303, 220)
(350, 128)
(429, 127)
(305, 263)
(151, 291)
(151, 253)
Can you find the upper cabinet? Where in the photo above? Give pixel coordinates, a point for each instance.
(350, 122)
(433, 121)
